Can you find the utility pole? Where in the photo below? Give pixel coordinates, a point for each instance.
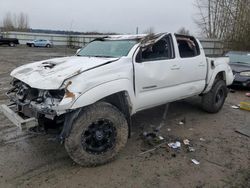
(137, 30)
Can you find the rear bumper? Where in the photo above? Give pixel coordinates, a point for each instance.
(23, 123)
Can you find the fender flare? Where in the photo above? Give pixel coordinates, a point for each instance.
(218, 69)
(103, 90)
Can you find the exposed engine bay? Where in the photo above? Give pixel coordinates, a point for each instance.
(32, 102)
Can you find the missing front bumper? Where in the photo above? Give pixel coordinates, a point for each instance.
(11, 114)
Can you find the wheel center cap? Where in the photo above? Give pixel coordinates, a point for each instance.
(99, 135)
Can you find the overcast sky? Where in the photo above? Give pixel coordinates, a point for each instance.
(122, 16)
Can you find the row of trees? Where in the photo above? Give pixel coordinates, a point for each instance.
(13, 22)
(228, 20)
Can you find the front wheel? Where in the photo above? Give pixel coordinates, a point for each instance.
(98, 134)
(213, 101)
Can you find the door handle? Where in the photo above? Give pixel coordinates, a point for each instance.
(201, 64)
(175, 67)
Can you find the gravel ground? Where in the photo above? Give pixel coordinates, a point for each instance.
(28, 160)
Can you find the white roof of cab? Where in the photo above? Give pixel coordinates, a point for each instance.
(125, 37)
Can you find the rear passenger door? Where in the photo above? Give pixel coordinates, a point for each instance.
(193, 65)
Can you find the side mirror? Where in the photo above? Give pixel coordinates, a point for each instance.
(78, 50)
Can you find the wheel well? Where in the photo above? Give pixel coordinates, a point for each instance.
(221, 76)
(121, 101)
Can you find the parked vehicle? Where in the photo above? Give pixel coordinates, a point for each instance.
(8, 41)
(40, 43)
(93, 94)
(240, 64)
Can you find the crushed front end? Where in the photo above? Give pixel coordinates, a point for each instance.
(30, 106)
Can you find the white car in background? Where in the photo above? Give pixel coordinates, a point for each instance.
(40, 43)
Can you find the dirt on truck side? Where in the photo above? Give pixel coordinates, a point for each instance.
(29, 160)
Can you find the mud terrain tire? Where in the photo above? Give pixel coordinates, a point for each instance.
(98, 134)
(213, 101)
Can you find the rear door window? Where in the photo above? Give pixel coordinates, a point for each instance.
(188, 46)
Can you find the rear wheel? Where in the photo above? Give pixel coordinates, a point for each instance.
(48, 45)
(213, 101)
(32, 45)
(98, 135)
(12, 44)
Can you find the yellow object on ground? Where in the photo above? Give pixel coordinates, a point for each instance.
(245, 106)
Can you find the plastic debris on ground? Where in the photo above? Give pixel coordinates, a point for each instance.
(202, 139)
(152, 138)
(245, 106)
(182, 122)
(186, 142)
(235, 107)
(175, 145)
(191, 149)
(195, 161)
(248, 94)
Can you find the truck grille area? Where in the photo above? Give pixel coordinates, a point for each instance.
(31, 102)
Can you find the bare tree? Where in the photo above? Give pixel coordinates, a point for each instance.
(183, 31)
(22, 22)
(225, 19)
(8, 24)
(12, 22)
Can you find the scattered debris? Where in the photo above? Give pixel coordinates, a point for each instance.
(248, 94)
(156, 147)
(202, 139)
(169, 130)
(244, 131)
(235, 107)
(152, 138)
(175, 145)
(191, 129)
(245, 106)
(195, 161)
(191, 149)
(160, 138)
(186, 142)
(183, 121)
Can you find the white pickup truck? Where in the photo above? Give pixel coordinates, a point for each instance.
(93, 94)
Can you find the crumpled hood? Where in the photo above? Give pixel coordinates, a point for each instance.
(50, 74)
